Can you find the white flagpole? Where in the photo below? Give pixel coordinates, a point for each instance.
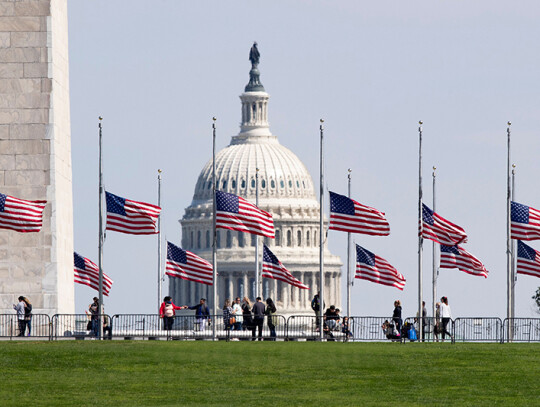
(214, 244)
(349, 279)
(434, 252)
(159, 241)
(101, 238)
(257, 279)
(508, 238)
(321, 235)
(420, 239)
(514, 275)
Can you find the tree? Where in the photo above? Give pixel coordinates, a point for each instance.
(536, 298)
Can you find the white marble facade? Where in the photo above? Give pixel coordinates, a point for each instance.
(35, 153)
(286, 190)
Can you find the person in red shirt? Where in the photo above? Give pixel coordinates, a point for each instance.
(167, 311)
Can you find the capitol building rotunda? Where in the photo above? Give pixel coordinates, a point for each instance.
(286, 191)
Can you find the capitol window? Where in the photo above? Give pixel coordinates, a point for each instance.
(281, 184)
(234, 184)
(297, 184)
(198, 239)
(191, 240)
(207, 239)
(229, 239)
(299, 238)
(278, 238)
(241, 239)
(263, 183)
(224, 185)
(307, 239)
(253, 240)
(272, 183)
(289, 238)
(290, 184)
(218, 239)
(243, 184)
(253, 183)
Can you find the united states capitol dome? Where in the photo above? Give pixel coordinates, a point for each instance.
(255, 160)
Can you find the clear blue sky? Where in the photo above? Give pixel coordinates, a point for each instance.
(157, 71)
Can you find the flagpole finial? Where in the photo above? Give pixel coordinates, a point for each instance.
(100, 118)
(321, 120)
(420, 122)
(509, 123)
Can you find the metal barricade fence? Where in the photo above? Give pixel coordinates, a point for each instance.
(521, 330)
(432, 330)
(480, 329)
(79, 326)
(37, 327)
(368, 328)
(244, 330)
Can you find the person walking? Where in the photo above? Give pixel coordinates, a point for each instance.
(271, 319)
(396, 316)
(446, 316)
(28, 314)
(258, 318)
(19, 307)
(202, 314)
(227, 316)
(167, 311)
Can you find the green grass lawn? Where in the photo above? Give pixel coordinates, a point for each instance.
(158, 373)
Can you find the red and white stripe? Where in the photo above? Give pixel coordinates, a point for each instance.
(22, 215)
(464, 261)
(278, 272)
(90, 277)
(249, 219)
(141, 219)
(527, 231)
(196, 269)
(382, 273)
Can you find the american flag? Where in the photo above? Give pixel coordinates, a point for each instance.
(272, 268)
(525, 222)
(373, 268)
(132, 217)
(235, 213)
(347, 215)
(528, 260)
(20, 215)
(457, 257)
(87, 273)
(438, 229)
(187, 266)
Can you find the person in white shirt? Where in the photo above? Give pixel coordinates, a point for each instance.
(20, 315)
(237, 312)
(446, 315)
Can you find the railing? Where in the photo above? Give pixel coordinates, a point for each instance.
(521, 330)
(296, 327)
(37, 327)
(79, 326)
(481, 329)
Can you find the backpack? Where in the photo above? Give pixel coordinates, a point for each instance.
(412, 335)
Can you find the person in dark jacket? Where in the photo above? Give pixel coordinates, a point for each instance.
(202, 314)
(271, 319)
(396, 316)
(246, 314)
(258, 318)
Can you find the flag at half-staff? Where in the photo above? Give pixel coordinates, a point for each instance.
(272, 268)
(347, 215)
(235, 213)
(131, 217)
(525, 222)
(373, 268)
(86, 272)
(21, 215)
(440, 230)
(187, 266)
(457, 257)
(528, 260)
